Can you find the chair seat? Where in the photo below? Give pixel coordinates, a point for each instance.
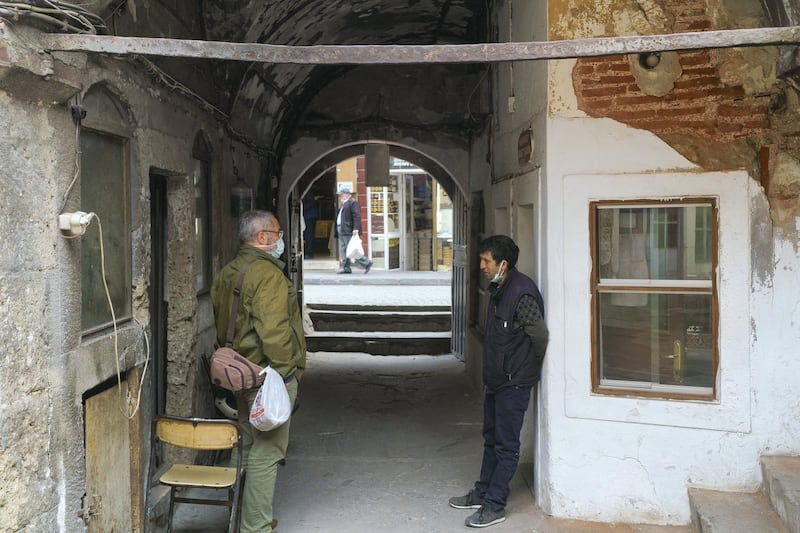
(199, 476)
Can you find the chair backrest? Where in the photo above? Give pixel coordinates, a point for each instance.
(197, 433)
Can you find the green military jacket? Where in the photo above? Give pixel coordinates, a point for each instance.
(269, 326)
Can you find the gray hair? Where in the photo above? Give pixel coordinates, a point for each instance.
(254, 221)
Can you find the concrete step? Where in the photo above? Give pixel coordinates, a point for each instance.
(380, 342)
(733, 512)
(379, 319)
(782, 487)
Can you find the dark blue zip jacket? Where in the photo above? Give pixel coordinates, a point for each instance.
(509, 357)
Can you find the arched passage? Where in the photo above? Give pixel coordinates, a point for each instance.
(292, 195)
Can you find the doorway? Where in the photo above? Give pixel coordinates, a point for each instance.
(158, 289)
(446, 241)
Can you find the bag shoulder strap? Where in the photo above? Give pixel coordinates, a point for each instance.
(236, 293)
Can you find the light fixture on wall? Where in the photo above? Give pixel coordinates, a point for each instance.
(649, 60)
(241, 192)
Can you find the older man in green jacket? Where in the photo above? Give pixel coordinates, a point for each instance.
(269, 331)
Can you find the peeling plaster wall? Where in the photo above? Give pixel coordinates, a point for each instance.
(50, 366)
(645, 453)
(32, 467)
(511, 188)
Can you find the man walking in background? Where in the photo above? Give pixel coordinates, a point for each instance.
(514, 346)
(348, 225)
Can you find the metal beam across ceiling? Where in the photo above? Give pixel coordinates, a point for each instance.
(421, 54)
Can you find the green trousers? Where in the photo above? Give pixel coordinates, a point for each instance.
(262, 452)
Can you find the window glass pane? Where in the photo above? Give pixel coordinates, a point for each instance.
(103, 191)
(656, 338)
(201, 226)
(661, 243)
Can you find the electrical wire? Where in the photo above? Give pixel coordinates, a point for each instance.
(135, 408)
(56, 14)
(472, 93)
(77, 165)
(108, 300)
(127, 407)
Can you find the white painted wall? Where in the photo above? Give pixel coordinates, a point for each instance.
(618, 459)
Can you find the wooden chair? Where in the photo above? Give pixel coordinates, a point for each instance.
(200, 434)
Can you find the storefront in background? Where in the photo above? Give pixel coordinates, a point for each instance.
(410, 221)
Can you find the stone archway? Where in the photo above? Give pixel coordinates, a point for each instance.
(448, 180)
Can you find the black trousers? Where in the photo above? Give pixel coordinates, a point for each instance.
(503, 413)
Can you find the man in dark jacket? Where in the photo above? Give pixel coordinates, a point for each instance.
(269, 331)
(514, 345)
(348, 225)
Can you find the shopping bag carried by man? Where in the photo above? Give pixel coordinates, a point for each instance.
(355, 250)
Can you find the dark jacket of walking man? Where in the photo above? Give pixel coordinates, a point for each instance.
(515, 342)
(348, 225)
(269, 331)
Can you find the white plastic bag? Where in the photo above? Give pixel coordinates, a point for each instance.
(355, 250)
(272, 407)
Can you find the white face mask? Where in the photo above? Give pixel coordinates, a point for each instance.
(277, 252)
(279, 247)
(496, 278)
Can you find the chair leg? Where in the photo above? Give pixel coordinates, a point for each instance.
(171, 509)
(233, 520)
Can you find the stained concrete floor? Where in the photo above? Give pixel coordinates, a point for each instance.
(380, 443)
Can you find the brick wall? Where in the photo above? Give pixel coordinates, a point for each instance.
(699, 105)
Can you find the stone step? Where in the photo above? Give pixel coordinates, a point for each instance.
(733, 512)
(375, 308)
(379, 320)
(782, 487)
(380, 342)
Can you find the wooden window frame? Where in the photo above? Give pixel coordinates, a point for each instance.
(124, 311)
(202, 156)
(651, 286)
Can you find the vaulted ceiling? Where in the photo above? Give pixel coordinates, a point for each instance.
(272, 101)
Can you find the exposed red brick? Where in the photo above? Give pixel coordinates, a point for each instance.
(618, 79)
(602, 103)
(757, 124)
(638, 99)
(699, 70)
(600, 91)
(664, 126)
(622, 66)
(609, 67)
(683, 11)
(682, 111)
(745, 109)
(685, 96)
(633, 116)
(701, 81)
(736, 91)
(727, 127)
(699, 25)
(695, 58)
(584, 69)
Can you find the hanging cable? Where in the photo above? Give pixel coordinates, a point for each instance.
(63, 16)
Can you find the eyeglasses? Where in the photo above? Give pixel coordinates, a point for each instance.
(280, 232)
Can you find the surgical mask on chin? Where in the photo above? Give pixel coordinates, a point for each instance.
(496, 278)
